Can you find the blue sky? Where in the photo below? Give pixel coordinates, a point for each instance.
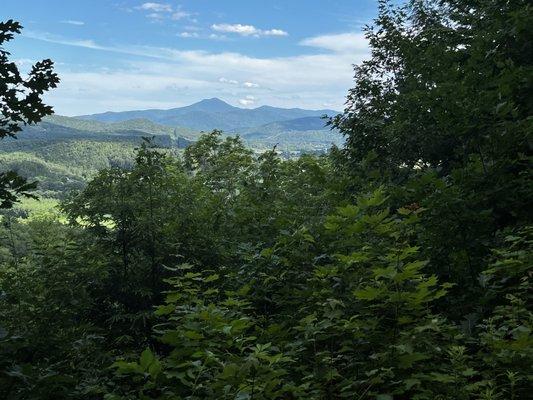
(125, 54)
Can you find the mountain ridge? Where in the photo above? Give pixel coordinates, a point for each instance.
(209, 114)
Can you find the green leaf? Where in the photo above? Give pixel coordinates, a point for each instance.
(349, 211)
(165, 310)
(154, 369)
(211, 278)
(193, 335)
(147, 358)
(368, 293)
(124, 367)
(172, 338)
(230, 370)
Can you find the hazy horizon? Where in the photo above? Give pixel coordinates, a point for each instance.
(200, 101)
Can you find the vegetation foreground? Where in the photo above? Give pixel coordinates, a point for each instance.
(396, 267)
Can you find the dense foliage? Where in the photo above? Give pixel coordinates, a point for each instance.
(62, 166)
(20, 104)
(396, 267)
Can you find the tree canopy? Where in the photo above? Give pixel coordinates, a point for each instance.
(397, 267)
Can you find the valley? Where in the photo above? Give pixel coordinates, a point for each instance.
(63, 153)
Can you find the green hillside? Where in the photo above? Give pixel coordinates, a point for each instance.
(65, 165)
(136, 125)
(63, 153)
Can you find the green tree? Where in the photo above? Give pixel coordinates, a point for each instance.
(21, 104)
(47, 313)
(440, 114)
(447, 83)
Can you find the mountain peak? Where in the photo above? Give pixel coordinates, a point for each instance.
(212, 100)
(213, 104)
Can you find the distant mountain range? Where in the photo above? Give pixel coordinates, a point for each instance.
(214, 113)
(292, 129)
(62, 153)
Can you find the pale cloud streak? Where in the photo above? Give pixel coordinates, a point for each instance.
(249, 85)
(247, 101)
(73, 22)
(229, 81)
(188, 35)
(247, 30)
(163, 77)
(194, 34)
(176, 16)
(156, 7)
(340, 43)
(163, 11)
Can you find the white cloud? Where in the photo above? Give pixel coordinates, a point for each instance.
(163, 77)
(274, 32)
(73, 22)
(230, 81)
(188, 35)
(215, 36)
(162, 11)
(247, 30)
(246, 102)
(180, 15)
(86, 43)
(340, 43)
(156, 7)
(244, 30)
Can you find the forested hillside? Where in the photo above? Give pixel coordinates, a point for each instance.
(64, 153)
(396, 266)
